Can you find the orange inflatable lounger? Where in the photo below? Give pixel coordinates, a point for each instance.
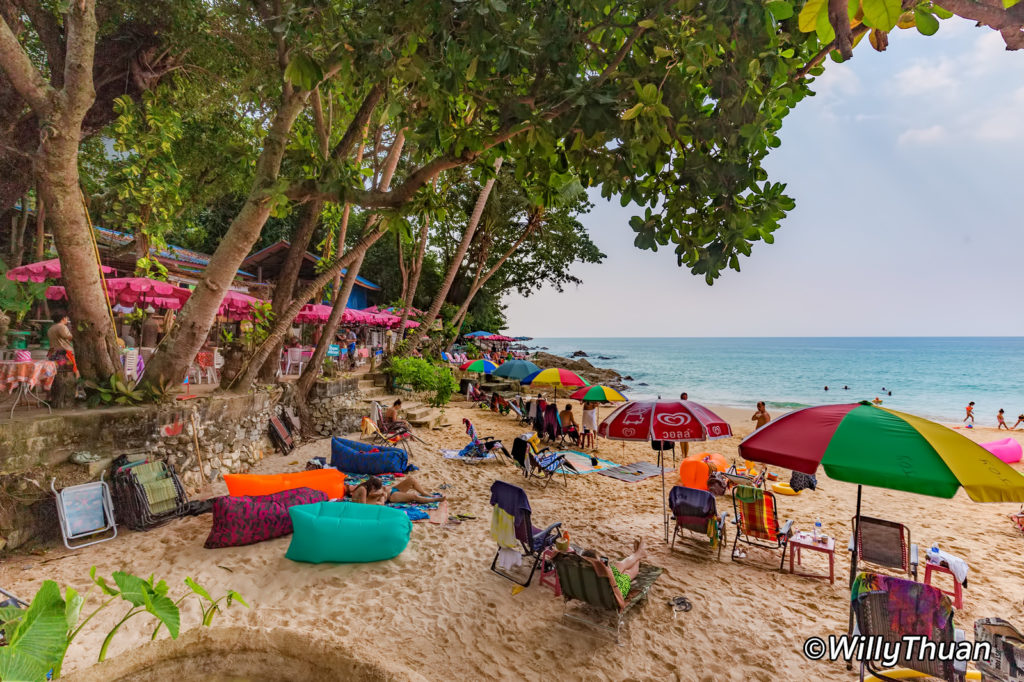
(330, 482)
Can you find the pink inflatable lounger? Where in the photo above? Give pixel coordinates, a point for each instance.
(1008, 449)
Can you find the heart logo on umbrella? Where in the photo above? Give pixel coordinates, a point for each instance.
(628, 433)
(674, 419)
(716, 430)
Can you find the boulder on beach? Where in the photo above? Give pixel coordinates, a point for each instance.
(595, 375)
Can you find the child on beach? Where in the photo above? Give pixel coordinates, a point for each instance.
(1002, 421)
(1020, 418)
(970, 411)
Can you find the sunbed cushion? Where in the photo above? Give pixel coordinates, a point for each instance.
(248, 520)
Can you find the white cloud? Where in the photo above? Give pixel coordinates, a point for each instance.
(922, 136)
(925, 77)
(839, 80)
(988, 55)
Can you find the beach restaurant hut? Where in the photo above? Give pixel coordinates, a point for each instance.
(268, 261)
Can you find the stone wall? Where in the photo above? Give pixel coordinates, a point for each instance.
(336, 407)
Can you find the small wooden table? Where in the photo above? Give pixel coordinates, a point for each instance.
(802, 541)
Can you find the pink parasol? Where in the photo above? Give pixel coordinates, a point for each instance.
(42, 271)
(673, 421)
(135, 291)
(312, 313)
(238, 306)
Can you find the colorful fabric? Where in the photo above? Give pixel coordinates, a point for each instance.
(416, 511)
(503, 528)
(622, 580)
(33, 373)
(247, 520)
(914, 608)
(757, 516)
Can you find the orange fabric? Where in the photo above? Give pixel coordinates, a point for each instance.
(330, 482)
(716, 460)
(693, 473)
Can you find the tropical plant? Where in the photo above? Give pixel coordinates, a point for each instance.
(420, 375)
(39, 636)
(114, 391)
(262, 317)
(226, 336)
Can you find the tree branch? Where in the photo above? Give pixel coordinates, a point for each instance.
(50, 36)
(79, 91)
(24, 77)
(823, 52)
(1009, 22)
(356, 129)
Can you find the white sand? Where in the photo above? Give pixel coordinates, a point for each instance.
(437, 610)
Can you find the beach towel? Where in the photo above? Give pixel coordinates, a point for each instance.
(914, 608)
(416, 511)
(637, 471)
(579, 463)
(757, 513)
(460, 454)
(954, 563)
(695, 509)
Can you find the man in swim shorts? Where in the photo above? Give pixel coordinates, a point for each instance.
(761, 416)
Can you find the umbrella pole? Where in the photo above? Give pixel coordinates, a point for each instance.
(853, 566)
(664, 505)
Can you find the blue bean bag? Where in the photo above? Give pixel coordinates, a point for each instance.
(347, 532)
(354, 457)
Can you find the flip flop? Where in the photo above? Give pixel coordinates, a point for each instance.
(465, 517)
(680, 604)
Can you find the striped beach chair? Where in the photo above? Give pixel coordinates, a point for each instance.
(757, 521)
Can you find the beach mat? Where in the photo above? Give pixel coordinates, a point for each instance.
(454, 454)
(416, 511)
(637, 471)
(582, 463)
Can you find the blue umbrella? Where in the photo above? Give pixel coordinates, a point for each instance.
(516, 369)
(479, 334)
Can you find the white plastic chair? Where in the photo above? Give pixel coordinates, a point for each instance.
(131, 364)
(294, 357)
(213, 371)
(195, 373)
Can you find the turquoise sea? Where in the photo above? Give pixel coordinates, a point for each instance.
(931, 377)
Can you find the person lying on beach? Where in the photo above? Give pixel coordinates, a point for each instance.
(622, 572)
(372, 491)
(1002, 421)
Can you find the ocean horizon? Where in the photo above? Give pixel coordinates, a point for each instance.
(931, 376)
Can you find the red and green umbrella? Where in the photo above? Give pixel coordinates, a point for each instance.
(598, 393)
(483, 366)
(870, 445)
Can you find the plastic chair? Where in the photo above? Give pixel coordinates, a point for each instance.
(213, 371)
(84, 511)
(293, 356)
(131, 364)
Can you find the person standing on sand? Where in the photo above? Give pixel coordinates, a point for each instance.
(970, 411)
(761, 416)
(1002, 421)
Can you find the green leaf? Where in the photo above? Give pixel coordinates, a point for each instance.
(72, 607)
(661, 52)
(882, 14)
(632, 112)
(787, 53)
(471, 71)
(926, 22)
(646, 23)
(98, 579)
(198, 589)
(303, 72)
(826, 33)
(943, 13)
(1006, 4)
(133, 588)
(167, 611)
(780, 9)
(235, 597)
(808, 20)
(36, 643)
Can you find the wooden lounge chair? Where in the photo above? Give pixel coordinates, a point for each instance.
(579, 580)
(695, 511)
(757, 521)
(883, 543)
(879, 602)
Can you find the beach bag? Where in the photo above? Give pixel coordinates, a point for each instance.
(799, 480)
(717, 483)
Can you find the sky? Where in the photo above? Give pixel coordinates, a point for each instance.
(906, 170)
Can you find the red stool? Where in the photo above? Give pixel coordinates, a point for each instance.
(549, 577)
(587, 439)
(957, 594)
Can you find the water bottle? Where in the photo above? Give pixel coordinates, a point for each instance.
(817, 530)
(934, 554)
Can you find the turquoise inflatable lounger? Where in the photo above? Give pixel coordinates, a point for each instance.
(347, 532)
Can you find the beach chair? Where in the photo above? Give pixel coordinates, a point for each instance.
(580, 581)
(372, 433)
(695, 511)
(85, 512)
(537, 462)
(148, 493)
(757, 521)
(1006, 662)
(884, 543)
(392, 430)
(735, 478)
(480, 447)
(131, 364)
(519, 541)
(890, 608)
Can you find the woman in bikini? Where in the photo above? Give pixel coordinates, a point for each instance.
(372, 491)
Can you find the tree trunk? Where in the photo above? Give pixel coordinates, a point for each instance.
(402, 270)
(282, 323)
(172, 359)
(288, 278)
(19, 223)
(38, 247)
(414, 273)
(460, 253)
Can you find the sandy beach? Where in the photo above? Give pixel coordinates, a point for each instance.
(436, 611)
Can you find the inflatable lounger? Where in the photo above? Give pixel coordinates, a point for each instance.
(347, 532)
(330, 482)
(354, 457)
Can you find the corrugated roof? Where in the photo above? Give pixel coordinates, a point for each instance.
(284, 244)
(172, 252)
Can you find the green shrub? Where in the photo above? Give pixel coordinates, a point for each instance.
(421, 375)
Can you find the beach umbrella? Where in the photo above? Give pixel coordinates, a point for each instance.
(238, 306)
(135, 292)
(484, 366)
(554, 376)
(673, 421)
(870, 445)
(476, 334)
(42, 271)
(598, 393)
(516, 369)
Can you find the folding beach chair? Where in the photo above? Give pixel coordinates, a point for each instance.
(889, 609)
(392, 430)
(537, 462)
(481, 446)
(85, 511)
(148, 494)
(757, 521)
(372, 432)
(518, 539)
(884, 543)
(1006, 662)
(579, 580)
(735, 478)
(695, 511)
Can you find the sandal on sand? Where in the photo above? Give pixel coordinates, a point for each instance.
(465, 517)
(680, 603)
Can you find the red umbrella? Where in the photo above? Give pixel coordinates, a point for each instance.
(42, 271)
(238, 306)
(674, 421)
(135, 291)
